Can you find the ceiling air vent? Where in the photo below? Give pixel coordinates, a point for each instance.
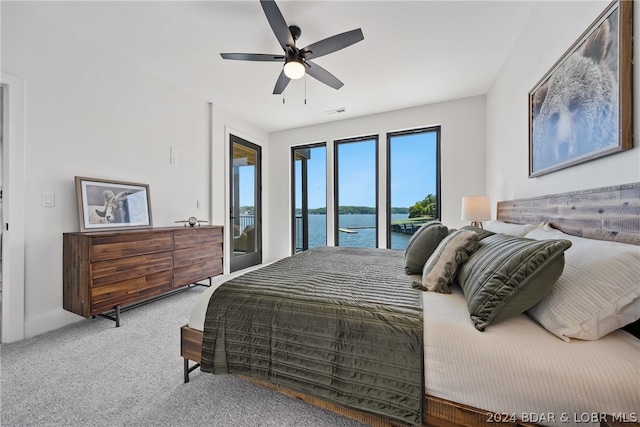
(337, 110)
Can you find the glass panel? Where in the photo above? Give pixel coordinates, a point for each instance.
(310, 197)
(243, 199)
(413, 183)
(356, 196)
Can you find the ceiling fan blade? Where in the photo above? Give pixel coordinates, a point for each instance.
(281, 84)
(332, 44)
(253, 57)
(322, 75)
(278, 24)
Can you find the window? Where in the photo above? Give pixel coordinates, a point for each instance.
(413, 182)
(309, 168)
(356, 192)
(413, 190)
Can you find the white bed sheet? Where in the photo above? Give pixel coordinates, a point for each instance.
(516, 368)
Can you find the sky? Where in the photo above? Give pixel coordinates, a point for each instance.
(413, 168)
(413, 174)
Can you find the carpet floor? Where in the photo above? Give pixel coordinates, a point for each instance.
(94, 374)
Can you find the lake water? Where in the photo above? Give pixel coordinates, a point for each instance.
(364, 238)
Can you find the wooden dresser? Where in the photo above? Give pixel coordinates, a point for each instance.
(106, 270)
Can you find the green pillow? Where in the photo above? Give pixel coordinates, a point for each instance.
(422, 244)
(441, 267)
(481, 232)
(507, 275)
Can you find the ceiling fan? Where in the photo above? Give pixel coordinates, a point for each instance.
(297, 62)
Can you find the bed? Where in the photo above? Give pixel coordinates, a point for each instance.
(517, 371)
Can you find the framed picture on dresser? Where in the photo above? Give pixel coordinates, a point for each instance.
(112, 205)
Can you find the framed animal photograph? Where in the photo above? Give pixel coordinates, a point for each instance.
(112, 205)
(581, 109)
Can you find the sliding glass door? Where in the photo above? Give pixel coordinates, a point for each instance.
(245, 201)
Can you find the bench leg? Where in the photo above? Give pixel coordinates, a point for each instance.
(188, 370)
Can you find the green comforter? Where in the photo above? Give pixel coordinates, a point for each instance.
(339, 324)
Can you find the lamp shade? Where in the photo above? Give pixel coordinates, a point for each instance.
(476, 208)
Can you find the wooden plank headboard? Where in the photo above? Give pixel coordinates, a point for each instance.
(606, 213)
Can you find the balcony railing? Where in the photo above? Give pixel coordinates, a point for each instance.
(243, 221)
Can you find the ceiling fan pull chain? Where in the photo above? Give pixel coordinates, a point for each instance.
(305, 88)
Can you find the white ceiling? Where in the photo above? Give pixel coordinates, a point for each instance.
(413, 52)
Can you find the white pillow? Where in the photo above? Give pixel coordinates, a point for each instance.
(518, 230)
(598, 292)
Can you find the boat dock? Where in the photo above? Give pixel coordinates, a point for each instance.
(405, 228)
(346, 230)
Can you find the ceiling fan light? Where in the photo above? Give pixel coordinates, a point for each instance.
(294, 69)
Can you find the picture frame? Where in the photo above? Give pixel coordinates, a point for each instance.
(105, 204)
(581, 109)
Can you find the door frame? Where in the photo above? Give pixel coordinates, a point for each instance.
(240, 262)
(304, 228)
(13, 205)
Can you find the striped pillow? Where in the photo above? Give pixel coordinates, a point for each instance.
(507, 275)
(481, 232)
(598, 291)
(441, 267)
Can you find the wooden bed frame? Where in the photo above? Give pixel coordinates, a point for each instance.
(607, 213)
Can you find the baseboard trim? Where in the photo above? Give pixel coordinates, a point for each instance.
(49, 322)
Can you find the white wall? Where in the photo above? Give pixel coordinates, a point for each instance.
(90, 113)
(552, 28)
(462, 160)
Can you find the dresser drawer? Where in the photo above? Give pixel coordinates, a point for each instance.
(105, 298)
(115, 246)
(197, 236)
(195, 272)
(196, 255)
(117, 270)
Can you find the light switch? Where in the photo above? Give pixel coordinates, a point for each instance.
(173, 155)
(48, 200)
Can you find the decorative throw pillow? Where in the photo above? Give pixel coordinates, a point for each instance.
(507, 275)
(518, 230)
(441, 267)
(481, 232)
(598, 291)
(422, 244)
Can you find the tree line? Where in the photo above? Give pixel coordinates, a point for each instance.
(352, 210)
(426, 207)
